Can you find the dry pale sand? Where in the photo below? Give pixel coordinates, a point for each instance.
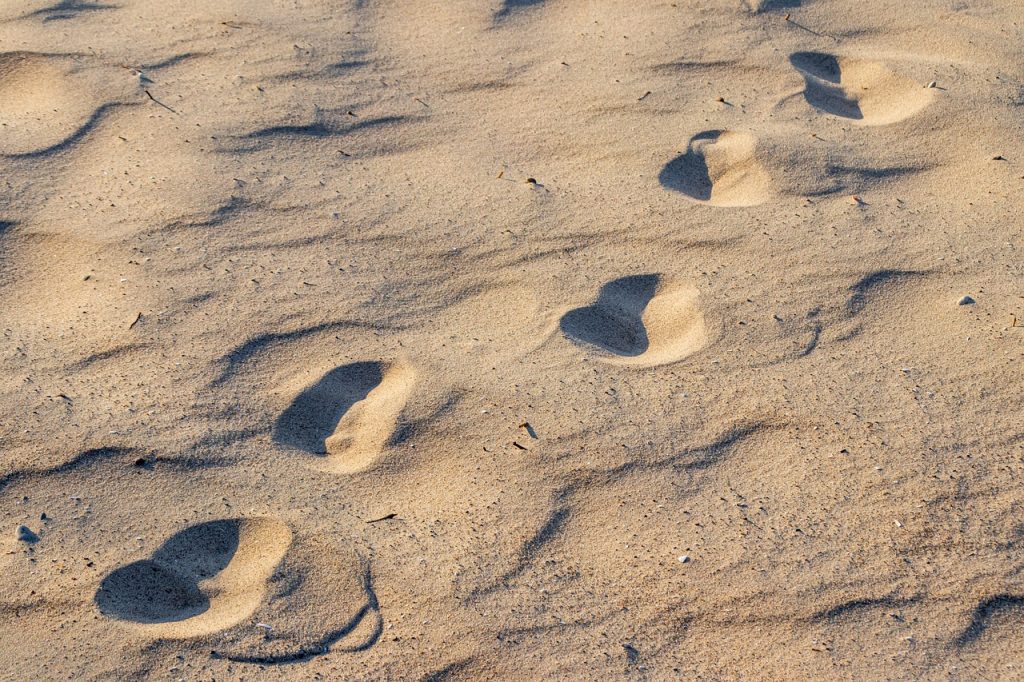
(511, 339)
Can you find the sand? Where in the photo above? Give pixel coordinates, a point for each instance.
(535, 339)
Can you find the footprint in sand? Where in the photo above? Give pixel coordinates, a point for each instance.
(206, 578)
(349, 415)
(720, 168)
(858, 89)
(641, 320)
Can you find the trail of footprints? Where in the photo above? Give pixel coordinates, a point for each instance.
(723, 168)
(213, 576)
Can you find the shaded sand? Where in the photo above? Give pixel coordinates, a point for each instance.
(516, 340)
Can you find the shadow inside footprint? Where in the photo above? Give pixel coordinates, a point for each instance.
(148, 592)
(823, 75)
(818, 64)
(614, 321)
(203, 579)
(314, 415)
(509, 7)
(688, 173)
(719, 168)
(165, 588)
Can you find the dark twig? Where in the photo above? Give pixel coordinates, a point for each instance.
(159, 102)
(809, 30)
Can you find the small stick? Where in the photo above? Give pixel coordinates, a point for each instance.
(421, 102)
(159, 102)
(644, 96)
(809, 30)
(386, 517)
(136, 321)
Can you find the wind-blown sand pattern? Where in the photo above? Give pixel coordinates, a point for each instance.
(511, 339)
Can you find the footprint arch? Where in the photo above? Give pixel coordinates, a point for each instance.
(207, 578)
(864, 91)
(640, 320)
(348, 417)
(719, 168)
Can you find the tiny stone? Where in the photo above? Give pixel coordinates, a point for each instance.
(932, 84)
(140, 462)
(965, 300)
(25, 534)
(531, 181)
(685, 559)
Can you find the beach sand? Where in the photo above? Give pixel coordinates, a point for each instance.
(535, 339)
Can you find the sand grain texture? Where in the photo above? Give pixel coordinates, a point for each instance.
(511, 339)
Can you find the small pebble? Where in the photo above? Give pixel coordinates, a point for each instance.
(25, 534)
(931, 84)
(685, 559)
(965, 300)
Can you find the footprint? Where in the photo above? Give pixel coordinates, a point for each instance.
(349, 415)
(720, 168)
(862, 90)
(640, 320)
(206, 578)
